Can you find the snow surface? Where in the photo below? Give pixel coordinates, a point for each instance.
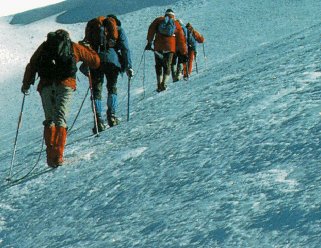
(11, 7)
(230, 158)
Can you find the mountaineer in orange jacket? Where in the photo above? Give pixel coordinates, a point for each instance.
(193, 37)
(168, 37)
(56, 87)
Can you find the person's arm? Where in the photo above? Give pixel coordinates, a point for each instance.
(152, 30)
(198, 37)
(124, 48)
(29, 76)
(180, 39)
(86, 55)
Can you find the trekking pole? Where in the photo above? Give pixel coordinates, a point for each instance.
(128, 98)
(196, 64)
(144, 75)
(16, 138)
(205, 58)
(93, 103)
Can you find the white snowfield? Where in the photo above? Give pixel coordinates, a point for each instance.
(230, 158)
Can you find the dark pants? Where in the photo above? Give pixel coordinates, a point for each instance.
(111, 72)
(163, 65)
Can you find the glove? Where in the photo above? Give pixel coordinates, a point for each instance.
(148, 46)
(130, 72)
(25, 89)
(184, 58)
(84, 69)
(111, 43)
(84, 42)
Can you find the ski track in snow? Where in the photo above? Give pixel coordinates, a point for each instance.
(228, 159)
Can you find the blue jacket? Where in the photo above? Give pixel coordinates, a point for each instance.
(119, 55)
(191, 41)
(122, 48)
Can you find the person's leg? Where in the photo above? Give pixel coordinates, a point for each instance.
(48, 104)
(180, 68)
(159, 71)
(112, 76)
(191, 56)
(63, 101)
(174, 68)
(97, 80)
(167, 61)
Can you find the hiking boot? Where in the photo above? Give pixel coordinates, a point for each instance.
(101, 127)
(175, 79)
(164, 82)
(59, 147)
(161, 88)
(49, 136)
(112, 121)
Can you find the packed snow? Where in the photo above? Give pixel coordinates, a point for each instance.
(230, 158)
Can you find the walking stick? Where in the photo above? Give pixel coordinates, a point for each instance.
(128, 98)
(196, 64)
(205, 58)
(93, 102)
(16, 138)
(144, 76)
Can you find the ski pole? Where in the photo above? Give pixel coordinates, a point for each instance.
(196, 65)
(93, 102)
(128, 98)
(144, 75)
(205, 58)
(16, 138)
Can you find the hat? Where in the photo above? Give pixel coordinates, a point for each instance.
(112, 15)
(189, 26)
(169, 12)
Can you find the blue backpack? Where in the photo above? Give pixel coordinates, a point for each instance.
(167, 26)
(191, 41)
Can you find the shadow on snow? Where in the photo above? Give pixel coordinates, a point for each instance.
(75, 11)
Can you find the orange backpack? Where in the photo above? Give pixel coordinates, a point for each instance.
(100, 30)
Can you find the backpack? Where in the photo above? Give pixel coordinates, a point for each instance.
(191, 41)
(167, 26)
(56, 60)
(99, 30)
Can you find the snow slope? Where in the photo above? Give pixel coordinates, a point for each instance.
(229, 159)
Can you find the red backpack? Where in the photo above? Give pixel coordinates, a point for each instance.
(100, 30)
